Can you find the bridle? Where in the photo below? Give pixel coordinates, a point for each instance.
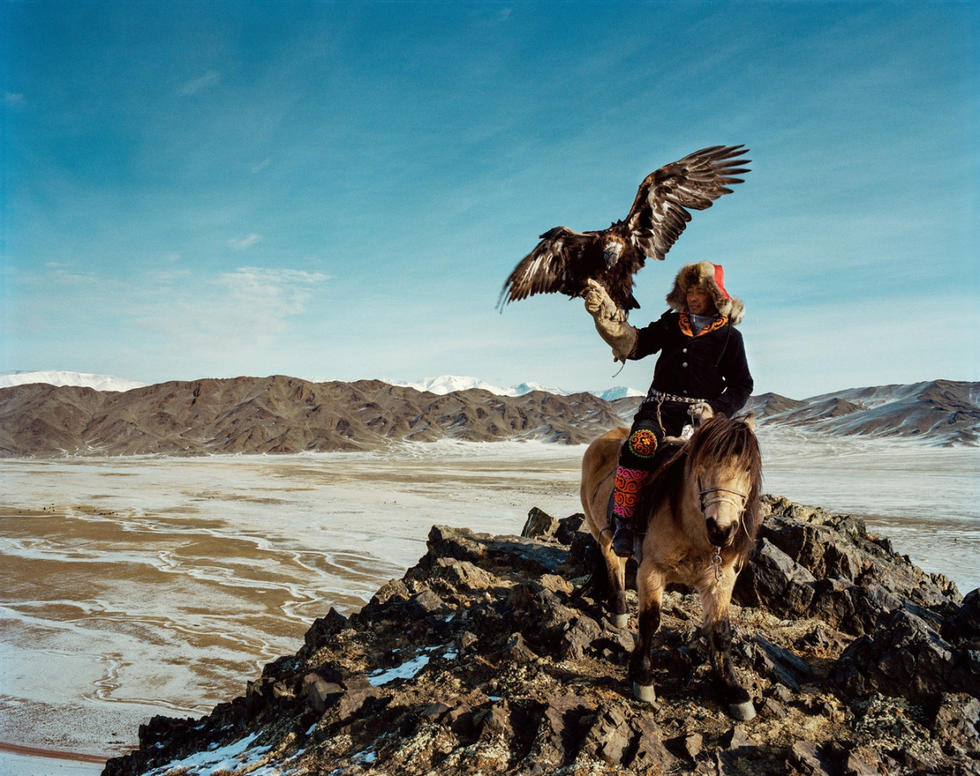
(739, 505)
(705, 503)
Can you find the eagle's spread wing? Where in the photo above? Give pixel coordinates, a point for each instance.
(557, 264)
(659, 213)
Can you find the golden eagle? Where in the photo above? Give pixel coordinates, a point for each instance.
(564, 259)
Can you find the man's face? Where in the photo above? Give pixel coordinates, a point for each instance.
(699, 301)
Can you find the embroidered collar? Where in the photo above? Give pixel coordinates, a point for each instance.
(685, 324)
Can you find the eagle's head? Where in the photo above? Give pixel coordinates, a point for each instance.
(612, 249)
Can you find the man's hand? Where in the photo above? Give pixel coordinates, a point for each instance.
(597, 300)
(700, 412)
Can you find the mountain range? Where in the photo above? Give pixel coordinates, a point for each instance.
(439, 385)
(282, 414)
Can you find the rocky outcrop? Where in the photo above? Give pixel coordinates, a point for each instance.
(810, 563)
(492, 655)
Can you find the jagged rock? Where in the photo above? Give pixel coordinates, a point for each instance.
(854, 765)
(806, 758)
(358, 692)
(483, 550)
(839, 547)
(652, 755)
(690, 745)
(323, 629)
(426, 603)
(905, 657)
(451, 576)
(775, 581)
(517, 650)
(779, 664)
(558, 732)
(850, 607)
(811, 563)
(319, 693)
(539, 525)
(569, 528)
(963, 624)
(735, 738)
(773, 708)
(956, 724)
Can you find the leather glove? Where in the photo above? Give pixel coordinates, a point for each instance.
(610, 321)
(700, 412)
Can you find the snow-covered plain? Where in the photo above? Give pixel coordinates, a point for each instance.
(161, 585)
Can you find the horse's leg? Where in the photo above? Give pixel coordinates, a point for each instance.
(715, 601)
(616, 571)
(650, 591)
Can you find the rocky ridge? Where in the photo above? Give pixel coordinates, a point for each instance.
(288, 415)
(280, 415)
(494, 655)
(938, 411)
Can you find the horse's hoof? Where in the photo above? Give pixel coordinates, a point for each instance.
(645, 693)
(621, 620)
(743, 712)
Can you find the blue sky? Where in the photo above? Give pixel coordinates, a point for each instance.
(338, 190)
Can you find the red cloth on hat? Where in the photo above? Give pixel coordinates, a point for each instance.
(720, 280)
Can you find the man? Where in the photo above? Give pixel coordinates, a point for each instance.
(701, 370)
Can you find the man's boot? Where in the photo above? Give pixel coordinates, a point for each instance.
(623, 537)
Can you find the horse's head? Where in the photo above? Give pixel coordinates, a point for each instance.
(724, 469)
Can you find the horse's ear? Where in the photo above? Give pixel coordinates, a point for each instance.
(749, 421)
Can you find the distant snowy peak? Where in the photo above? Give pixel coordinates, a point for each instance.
(79, 379)
(619, 392)
(450, 383)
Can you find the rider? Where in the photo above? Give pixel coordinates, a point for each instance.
(701, 370)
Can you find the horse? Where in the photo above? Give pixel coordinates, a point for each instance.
(701, 517)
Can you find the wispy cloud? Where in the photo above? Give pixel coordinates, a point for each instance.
(276, 292)
(244, 243)
(210, 78)
(13, 99)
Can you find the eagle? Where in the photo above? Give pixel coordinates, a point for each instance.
(565, 260)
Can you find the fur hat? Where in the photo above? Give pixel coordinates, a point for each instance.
(710, 277)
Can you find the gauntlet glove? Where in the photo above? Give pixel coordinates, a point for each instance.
(610, 321)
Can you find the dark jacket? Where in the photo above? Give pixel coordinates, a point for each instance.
(710, 365)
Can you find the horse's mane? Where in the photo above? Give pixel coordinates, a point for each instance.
(717, 439)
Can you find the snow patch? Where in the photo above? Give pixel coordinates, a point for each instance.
(407, 670)
(231, 757)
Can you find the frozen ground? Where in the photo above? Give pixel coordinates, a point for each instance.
(139, 586)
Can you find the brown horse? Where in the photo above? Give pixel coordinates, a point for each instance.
(701, 518)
